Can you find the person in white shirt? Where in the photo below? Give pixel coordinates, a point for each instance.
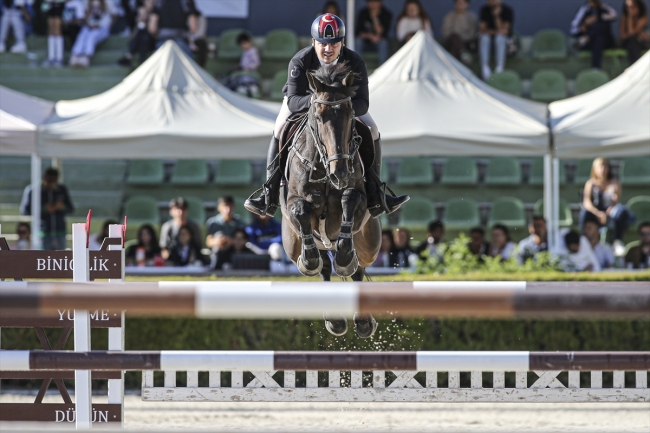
(501, 244)
(412, 19)
(536, 242)
(14, 15)
(96, 29)
(577, 254)
(604, 252)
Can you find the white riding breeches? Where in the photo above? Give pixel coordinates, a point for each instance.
(285, 113)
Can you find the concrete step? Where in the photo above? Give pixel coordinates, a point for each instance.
(112, 43)
(34, 71)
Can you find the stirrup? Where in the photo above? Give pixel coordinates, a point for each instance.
(269, 208)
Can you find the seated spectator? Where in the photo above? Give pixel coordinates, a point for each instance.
(74, 16)
(372, 29)
(501, 244)
(186, 252)
(198, 42)
(169, 231)
(264, 232)
(401, 252)
(95, 242)
(634, 29)
(592, 26)
(579, 257)
(175, 20)
(638, 257)
(332, 7)
(96, 28)
(412, 19)
(222, 226)
(250, 58)
(536, 242)
(600, 203)
(435, 235)
(24, 232)
(603, 251)
(477, 244)
(384, 259)
(459, 30)
(14, 15)
(54, 11)
(495, 28)
(245, 84)
(141, 42)
(147, 250)
(237, 246)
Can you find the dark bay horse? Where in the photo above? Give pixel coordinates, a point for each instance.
(323, 198)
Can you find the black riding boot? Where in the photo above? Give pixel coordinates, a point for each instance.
(378, 201)
(269, 201)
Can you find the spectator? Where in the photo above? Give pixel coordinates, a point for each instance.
(145, 252)
(384, 258)
(332, 7)
(579, 257)
(603, 252)
(600, 203)
(224, 257)
(537, 241)
(24, 232)
(198, 42)
(477, 244)
(264, 232)
(250, 58)
(13, 14)
(74, 16)
(638, 257)
(401, 251)
(495, 28)
(222, 226)
(169, 231)
(175, 20)
(435, 235)
(186, 252)
(141, 42)
(96, 28)
(54, 11)
(459, 30)
(592, 26)
(412, 19)
(55, 205)
(372, 29)
(246, 84)
(95, 242)
(634, 29)
(501, 244)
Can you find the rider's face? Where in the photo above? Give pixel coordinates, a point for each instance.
(327, 53)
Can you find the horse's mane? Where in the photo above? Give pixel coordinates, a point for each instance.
(332, 76)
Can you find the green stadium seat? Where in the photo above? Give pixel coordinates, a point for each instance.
(279, 80)
(96, 175)
(417, 213)
(508, 211)
(459, 171)
(536, 176)
(105, 204)
(190, 172)
(589, 80)
(640, 206)
(461, 214)
(506, 81)
(503, 171)
(548, 85)
(385, 171)
(146, 172)
(228, 47)
(566, 218)
(234, 172)
(142, 210)
(583, 171)
(195, 210)
(415, 171)
(636, 172)
(549, 44)
(280, 44)
(15, 172)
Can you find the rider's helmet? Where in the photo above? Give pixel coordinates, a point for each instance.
(328, 29)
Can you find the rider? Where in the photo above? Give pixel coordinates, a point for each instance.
(328, 33)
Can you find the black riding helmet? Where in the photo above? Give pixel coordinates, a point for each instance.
(328, 29)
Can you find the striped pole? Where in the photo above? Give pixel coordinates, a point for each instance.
(169, 360)
(308, 300)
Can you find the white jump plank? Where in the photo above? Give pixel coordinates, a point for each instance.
(432, 379)
(334, 377)
(356, 379)
(237, 379)
(619, 379)
(192, 379)
(521, 380)
(596, 379)
(312, 379)
(214, 379)
(379, 379)
(574, 379)
(476, 379)
(641, 379)
(170, 379)
(454, 379)
(499, 380)
(147, 379)
(289, 379)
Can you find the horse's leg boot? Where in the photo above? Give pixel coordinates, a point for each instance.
(269, 201)
(378, 201)
(337, 326)
(365, 326)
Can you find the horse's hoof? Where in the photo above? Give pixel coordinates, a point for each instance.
(336, 326)
(351, 268)
(365, 326)
(309, 272)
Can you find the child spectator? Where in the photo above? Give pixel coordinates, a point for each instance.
(634, 29)
(412, 19)
(592, 26)
(222, 226)
(264, 232)
(435, 235)
(603, 252)
(96, 28)
(384, 259)
(24, 232)
(14, 12)
(401, 252)
(95, 242)
(459, 30)
(146, 250)
(501, 244)
(238, 246)
(141, 43)
(496, 29)
(250, 59)
(477, 244)
(537, 241)
(169, 231)
(579, 255)
(74, 16)
(186, 251)
(372, 29)
(239, 81)
(54, 11)
(638, 257)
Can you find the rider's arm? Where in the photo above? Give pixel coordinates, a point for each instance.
(297, 90)
(361, 100)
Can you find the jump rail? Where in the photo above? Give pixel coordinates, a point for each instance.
(274, 300)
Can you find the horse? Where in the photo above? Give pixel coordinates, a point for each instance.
(323, 198)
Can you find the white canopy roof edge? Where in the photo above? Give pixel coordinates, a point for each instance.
(20, 114)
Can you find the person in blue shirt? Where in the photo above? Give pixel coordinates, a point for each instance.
(264, 231)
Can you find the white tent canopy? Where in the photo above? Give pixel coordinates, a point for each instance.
(167, 108)
(610, 121)
(425, 102)
(20, 116)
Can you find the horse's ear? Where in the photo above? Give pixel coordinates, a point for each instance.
(314, 84)
(349, 79)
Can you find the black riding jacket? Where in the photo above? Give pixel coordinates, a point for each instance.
(297, 88)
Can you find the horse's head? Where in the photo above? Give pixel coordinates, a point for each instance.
(331, 118)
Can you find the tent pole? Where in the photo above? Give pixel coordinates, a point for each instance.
(349, 36)
(548, 201)
(556, 201)
(36, 202)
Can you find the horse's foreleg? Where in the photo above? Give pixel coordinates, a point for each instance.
(309, 262)
(346, 261)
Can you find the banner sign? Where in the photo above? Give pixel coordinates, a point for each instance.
(223, 8)
(57, 264)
